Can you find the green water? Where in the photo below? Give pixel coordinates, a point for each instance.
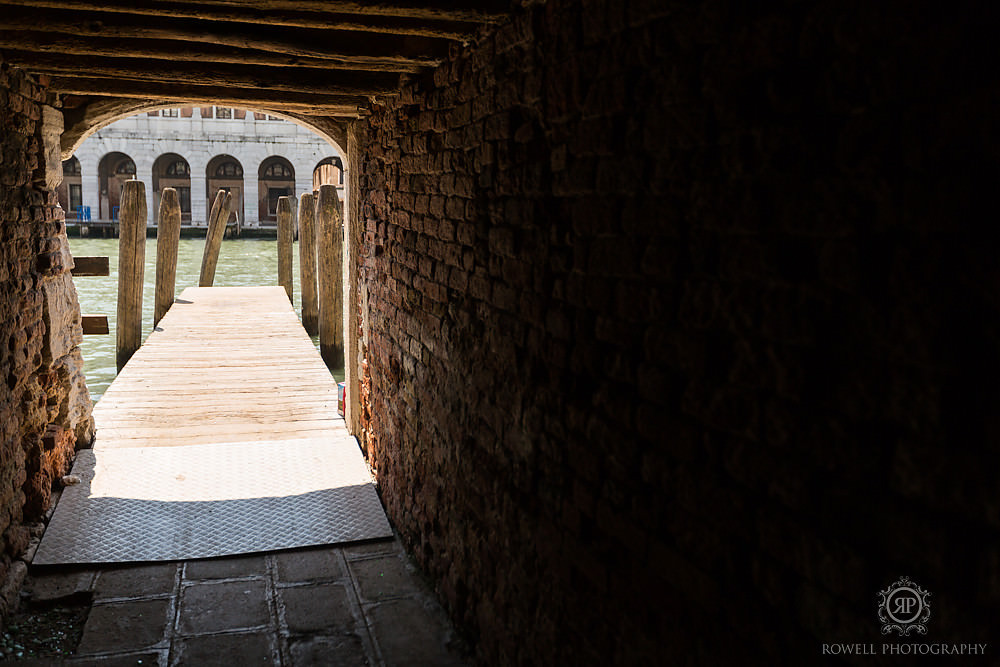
(242, 263)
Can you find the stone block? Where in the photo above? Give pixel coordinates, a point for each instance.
(124, 626)
(304, 565)
(346, 650)
(319, 609)
(218, 607)
(132, 581)
(224, 568)
(48, 584)
(251, 649)
(383, 578)
(410, 633)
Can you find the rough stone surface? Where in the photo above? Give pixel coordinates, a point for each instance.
(124, 625)
(309, 565)
(679, 323)
(246, 611)
(254, 649)
(44, 405)
(138, 580)
(324, 608)
(212, 607)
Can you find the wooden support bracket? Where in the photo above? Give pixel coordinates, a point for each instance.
(95, 324)
(90, 266)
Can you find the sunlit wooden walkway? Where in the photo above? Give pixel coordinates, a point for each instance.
(226, 364)
(220, 436)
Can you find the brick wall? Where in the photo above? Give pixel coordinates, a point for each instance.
(44, 404)
(680, 327)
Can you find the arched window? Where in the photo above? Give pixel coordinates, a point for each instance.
(126, 167)
(71, 167)
(228, 170)
(278, 170)
(330, 171)
(178, 168)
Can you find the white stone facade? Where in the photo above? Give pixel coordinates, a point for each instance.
(197, 139)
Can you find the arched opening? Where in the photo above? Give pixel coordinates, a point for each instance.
(172, 171)
(112, 172)
(224, 172)
(275, 178)
(330, 171)
(70, 191)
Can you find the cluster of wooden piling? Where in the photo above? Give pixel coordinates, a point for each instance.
(321, 239)
(320, 225)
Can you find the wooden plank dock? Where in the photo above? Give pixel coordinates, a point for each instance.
(225, 364)
(220, 436)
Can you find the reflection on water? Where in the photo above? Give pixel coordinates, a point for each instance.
(242, 263)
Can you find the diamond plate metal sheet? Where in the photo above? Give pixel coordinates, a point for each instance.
(199, 501)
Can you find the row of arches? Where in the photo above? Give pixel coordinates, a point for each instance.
(275, 178)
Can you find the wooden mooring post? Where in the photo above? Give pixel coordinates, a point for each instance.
(285, 233)
(168, 234)
(307, 263)
(131, 262)
(329, 249)
(217, 220)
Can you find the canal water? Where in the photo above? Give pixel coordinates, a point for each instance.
(242, 263)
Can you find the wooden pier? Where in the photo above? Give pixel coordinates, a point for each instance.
(225, 363)
(220, 436)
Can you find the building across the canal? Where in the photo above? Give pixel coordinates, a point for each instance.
(197, 151)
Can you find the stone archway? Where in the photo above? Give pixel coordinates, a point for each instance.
(70, 191)
(172, 171)
(225, 172)
(113, 170)
(276, 178)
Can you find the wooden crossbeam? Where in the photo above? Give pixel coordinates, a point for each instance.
(94, 324)
(29, 42)
(481, 11)
(90, 266)
(308, 104)
(295, 17)
(305, 42)
(335, 82)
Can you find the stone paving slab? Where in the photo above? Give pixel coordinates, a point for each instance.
(252, 649)
(217, 607)
(124, 626)
(383, 577)
(322, 608)
(136, 581)
(360, 604)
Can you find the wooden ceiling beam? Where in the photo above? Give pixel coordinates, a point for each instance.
(302, 42)
(294, 18)
(174, 94)
(332, 82)
(463, 11)
(28, 42)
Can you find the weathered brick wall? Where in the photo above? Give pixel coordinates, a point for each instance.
(44, 404)
(681, 327)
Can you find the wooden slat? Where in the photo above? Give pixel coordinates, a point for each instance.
(91, 266)
(28, 43)
(482, 11)
(316, 43)
(294, 79)
(273, 100)
(94, 324)
(318, 17)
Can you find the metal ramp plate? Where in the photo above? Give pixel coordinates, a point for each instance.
(198, 501)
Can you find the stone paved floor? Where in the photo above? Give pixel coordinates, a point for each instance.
(351, 605)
